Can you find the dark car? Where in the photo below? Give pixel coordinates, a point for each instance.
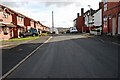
(30, 32)
(68, 31)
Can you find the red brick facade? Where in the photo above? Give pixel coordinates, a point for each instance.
(110, 17)
(80, 23)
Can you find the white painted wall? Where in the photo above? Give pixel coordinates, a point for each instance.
(98, 18)
(86, 20)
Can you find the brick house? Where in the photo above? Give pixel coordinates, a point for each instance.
(7, 23)
(39, 27)
(26, 22)
(32, 23)
(45, 29)
(79, 21)
(111, 17)
(89, 20)
(20, 23)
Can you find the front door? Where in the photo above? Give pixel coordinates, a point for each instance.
(114, 26)
(119, 24)
(15, 32)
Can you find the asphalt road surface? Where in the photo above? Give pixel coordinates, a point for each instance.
(13, 55)
(71, 56)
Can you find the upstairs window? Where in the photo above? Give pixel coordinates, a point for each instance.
(5, 15)
(105, 1)
(105, 20)
(105, 5)
(20, 19)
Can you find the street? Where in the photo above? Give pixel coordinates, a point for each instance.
(70, 56)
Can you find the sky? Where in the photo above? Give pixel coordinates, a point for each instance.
(65, 11)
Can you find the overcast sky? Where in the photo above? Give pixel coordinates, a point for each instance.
(65, 11)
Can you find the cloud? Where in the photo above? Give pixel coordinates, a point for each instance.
(14, 4)
(58, 4)
(11, 4)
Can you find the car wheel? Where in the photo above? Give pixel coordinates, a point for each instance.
(22, 36)
(34, 35)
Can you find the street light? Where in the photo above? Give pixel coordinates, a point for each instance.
(52, 22)
(89, 17)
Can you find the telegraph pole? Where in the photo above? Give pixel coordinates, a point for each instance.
(52, 22)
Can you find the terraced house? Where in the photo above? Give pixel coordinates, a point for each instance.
(7, 23)
(111, 17)
(13, 23)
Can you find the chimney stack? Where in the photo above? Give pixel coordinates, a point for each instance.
(82, 11)
(100, 5)
(78, 15)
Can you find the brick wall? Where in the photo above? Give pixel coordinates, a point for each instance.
(79, 23)
(111, 12)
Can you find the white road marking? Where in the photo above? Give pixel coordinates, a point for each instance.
(10, 71)
(116, 43)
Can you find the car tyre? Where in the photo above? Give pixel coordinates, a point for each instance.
(22, 36)
(34, 35)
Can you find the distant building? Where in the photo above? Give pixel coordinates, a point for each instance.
(89, 20)
(79, 21)
(54, 30)
(62, 30)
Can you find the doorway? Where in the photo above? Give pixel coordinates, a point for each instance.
(119, 23)
(114, 26)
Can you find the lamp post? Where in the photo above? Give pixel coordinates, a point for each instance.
(52, 22)
(89, 17)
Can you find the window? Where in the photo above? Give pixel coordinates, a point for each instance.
(5, 15)
(6, 30)
(1, 9)
(105, 20)
(105, 5)
(0, 30)
(20, 19)
(105, 1)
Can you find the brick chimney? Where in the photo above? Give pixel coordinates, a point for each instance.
(82, 11)
(78, 15)
(100, 5)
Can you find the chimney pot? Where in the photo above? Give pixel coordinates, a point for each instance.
(78, 15)
(82, 11)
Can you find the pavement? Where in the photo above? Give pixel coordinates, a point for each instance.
(104, 38)
(68, 56)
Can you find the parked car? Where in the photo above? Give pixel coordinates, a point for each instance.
(73, 30)
(96, 31)
(68, 31)
(30, 32)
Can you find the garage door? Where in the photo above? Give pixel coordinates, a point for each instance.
(114, 26)
(119, 24)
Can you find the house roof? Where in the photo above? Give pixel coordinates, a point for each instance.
(91, 10)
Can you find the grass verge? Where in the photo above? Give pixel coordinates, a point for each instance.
(21, 39)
